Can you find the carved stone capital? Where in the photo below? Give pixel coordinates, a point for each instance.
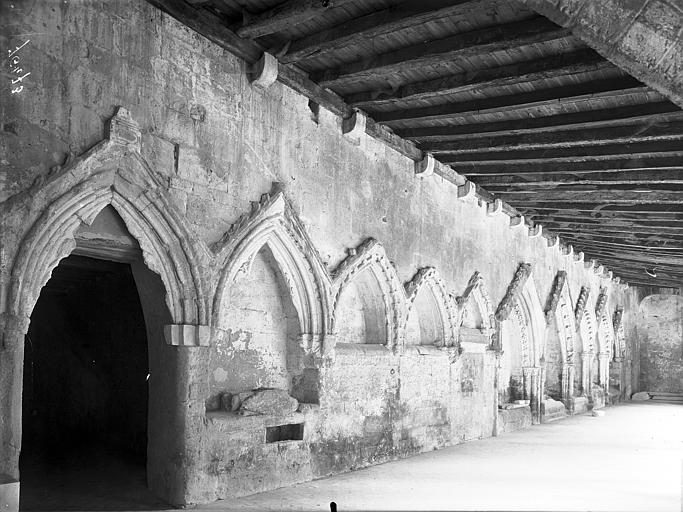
(184, 335)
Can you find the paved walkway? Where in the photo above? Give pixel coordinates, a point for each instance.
(631, 459)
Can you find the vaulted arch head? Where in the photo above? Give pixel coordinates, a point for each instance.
(560, 316)
(476, 312)
(368, 300)
(522, 306)
(431, 317)
(584, 317)
(605, 325)
(274, 225)
(112, 173)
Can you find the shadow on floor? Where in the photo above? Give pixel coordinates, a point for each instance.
(97, 480)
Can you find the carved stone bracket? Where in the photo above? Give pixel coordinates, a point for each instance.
(467, 191)
(495, 208)
(536, 231)
(425, 167)
(517, 222)
(264, 72)
(353, 127)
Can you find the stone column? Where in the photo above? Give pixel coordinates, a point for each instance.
(496, 383)
(567, 383)
(586, 374)
(533, 383)
(12, 332)
(603, 370)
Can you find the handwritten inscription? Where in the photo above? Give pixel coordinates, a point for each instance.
(16, 69)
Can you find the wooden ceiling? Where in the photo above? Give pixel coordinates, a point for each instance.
(506, 98)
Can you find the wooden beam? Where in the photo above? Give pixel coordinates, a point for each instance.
(562, 228)
(575, 93)
(283, 16)
(387, 21)
(212, 28)
(670, 161)
(432, 53)
(672, 130)
(582, 61)
(627, 177)
(603, 196)
(646, 113)
(621, 240)
(628, 257)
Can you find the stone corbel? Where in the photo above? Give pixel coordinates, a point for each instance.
(467, 191)
(536, 231)
(264, 72)
(554, 242)
(517, 222)
(354, 127)
(495, 208)
(590, 265)
(599, 270)
(578, 257)
(425, 167)
(569, 251)
(185, 335)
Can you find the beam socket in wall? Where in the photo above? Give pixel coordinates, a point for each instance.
(288, 432)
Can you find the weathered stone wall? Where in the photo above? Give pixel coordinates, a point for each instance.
(212, 144)
(660, 333)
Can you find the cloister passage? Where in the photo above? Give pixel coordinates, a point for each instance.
(85, 390)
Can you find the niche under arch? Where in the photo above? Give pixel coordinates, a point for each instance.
(260, 347)
(431, 316)
(361, 313)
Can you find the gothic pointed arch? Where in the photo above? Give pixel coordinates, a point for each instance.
(561, 338)
(475, 309)
(584, 318)
(274, 223)
(619, 335)
(111, 173)
(428, 301)
(560, 311)
(521, 304)
(605, 332)
(380, 296)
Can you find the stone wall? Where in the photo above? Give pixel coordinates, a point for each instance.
(660, 333)
(284, 290)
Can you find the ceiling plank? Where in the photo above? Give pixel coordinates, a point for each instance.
(512, 182)
(430, 53)
(646, 113)
(582, 61)
(604, 196)
(660, 161)
(387, 21)
(569, 154)
(610, 87)
(283, 16)
(672, 130)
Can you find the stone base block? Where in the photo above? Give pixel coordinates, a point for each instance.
(552, 410)
(510, 420)
(9, 495)
(579, 405)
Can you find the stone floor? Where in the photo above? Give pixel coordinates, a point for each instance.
(629, 459)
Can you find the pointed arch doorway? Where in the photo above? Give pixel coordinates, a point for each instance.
(87, 357)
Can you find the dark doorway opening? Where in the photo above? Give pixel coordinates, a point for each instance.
(85, 392)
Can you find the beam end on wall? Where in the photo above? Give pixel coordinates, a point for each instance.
(354, 126)
(495, 208)
(467, 191)
(517, 222)
(265, 71)
(536, 231)
(425, 167)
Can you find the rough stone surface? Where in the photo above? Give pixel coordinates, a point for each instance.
(275, 402)
(640, 396)
(304, 288)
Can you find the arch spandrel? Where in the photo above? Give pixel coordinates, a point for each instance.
(427, 280)
(274, 223)
(111, 173)
(371, 256)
